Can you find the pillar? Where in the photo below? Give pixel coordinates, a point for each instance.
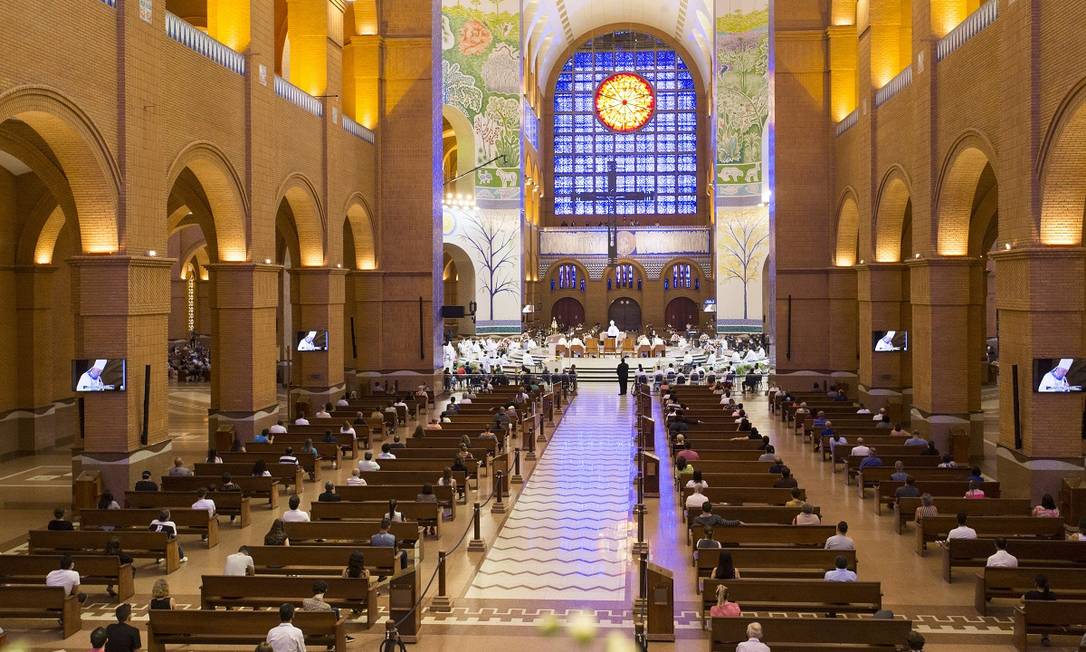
(317, 296)
(34, 304)
(1040, 316)
(122, 308)
(361, 78)
(841, 336)
(243, 304)
(842, 66)
(948, 348)
(228, 21)
(883, 305)
(312, 27)
(367, 296)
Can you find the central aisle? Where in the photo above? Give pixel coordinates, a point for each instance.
(566, 537)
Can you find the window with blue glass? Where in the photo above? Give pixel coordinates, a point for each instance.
(659, 159)
(681, 278)
(567, 277)
(624, 276)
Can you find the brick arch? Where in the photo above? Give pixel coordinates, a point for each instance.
(226, 203)
(308, 219)
(957, 188)
(199, 251)
(1062, 172)
(895, 192)
(41, 225)
(848, 230)
(91, 172)
(358, 216)
(638, 267)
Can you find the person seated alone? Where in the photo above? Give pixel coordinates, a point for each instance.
(723, 607)
(687, 453)
(796, 500)
(769, 455)
(288, 457)
(367, 463)
(1047, 508)
(277, 429)
(698, 481)
(916, 440)
(899, 474)
(696, 499)
(786, 480)
(871, 460)
(884, 423)
(285, 637)
(293, 514)
(98, 638)
(385, 539)
(179, 470)
(239, 564)
(329, 495)
(807, 516)
(205, 503)
(927, 508)
(907, 490)
(317, 603)
(841, 540)
(66, 577)
(145, 483)
(59, 522)
(706, 542)
(386, 452)
(840, 572)
(1001, 558)
(898, 431)
(860, 449)
(974, 492)
(356, 479)
(963, 531)
(948, 463)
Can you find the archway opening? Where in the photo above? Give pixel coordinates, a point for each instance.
(626, 313)
(458, 279)
(681, 314)
(568, 313)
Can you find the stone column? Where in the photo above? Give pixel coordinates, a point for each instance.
(38, 426)
(841, 337)
(317, 295)
(367, 294)
(244, 299)
(948, 347)
(884, 305)
(1040, 303)
(179, 304)
(122, 306)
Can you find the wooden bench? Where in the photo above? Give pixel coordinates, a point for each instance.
(871, 477)
(974, 553)
(719, 480)
(296, 436)
(794, 634)
(808, 596)
(1050, 617)
(385, 493)
(94, 570)
(140, 545)
(42, 603)
(320, 560)
(411, 478)
(777, 536)
(885, 492)
(245, 461)
(347, 533)
(752, 513)
(248, 628)
(374, 511)
(188, 521)
(252, 487)
(1013, 583)
(270, 591)
(227, 503)
(935, 528)
(777, 562)
(906, 509)
(329, 452)
(749, 495)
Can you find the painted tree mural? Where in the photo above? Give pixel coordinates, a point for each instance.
(497, 252)
(744, 242)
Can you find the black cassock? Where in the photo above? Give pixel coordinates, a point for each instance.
(623, 377)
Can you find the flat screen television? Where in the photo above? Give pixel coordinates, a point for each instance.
(98, 375)
(1059, 375)
(312, 340)
(883, 341)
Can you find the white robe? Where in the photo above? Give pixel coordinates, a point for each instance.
(306, 345)
(883, 345)
(1049, 383)
(612, 330)
(88, 384)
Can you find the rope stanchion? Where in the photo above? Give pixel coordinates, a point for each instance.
(641, 604)
(528, 443)
(476, 544)
(499, 505)
(441, 602)
(516, 478)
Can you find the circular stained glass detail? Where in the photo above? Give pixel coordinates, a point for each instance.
(625, 102)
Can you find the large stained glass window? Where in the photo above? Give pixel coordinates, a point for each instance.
(658, 159)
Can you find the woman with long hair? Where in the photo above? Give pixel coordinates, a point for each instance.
(277, 534)
(725, 567)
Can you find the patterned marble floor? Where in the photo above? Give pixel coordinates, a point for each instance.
(566, 536)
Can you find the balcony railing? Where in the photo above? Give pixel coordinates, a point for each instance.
(894, 86)
(974, 24)
(197, 41)
(111, 3)
(298, 97)
(847, 122)
(357, 130)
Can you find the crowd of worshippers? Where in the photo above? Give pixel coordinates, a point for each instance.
(472, 378)
(190, 362)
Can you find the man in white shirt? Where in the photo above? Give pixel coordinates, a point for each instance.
(1002, 558)
(278, 429)
(356, 479)
(286, 637)
(239, 564)
(863, 410)
(386, 453)
(753, 642)
(840, 541)
(66, 576)
(860, 448)
(840, 572)
(323, 413)
(878, 415)
(203, 502)
(963, 531)
(301, 421)
(295, 515)
(367, 463)
(342, 402)
(696, 499)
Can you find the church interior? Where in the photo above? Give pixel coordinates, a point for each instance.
(610, 325)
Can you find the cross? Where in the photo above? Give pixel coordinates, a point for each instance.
(612, 194)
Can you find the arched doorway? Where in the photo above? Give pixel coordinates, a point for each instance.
(568, 312)
(458, 279)
(680, 312)
(626, 313)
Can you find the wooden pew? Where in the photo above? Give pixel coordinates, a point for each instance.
(777, 562)
(320, 560)
(1053, 617)
(376, 510)
(751, 513)
(779, 594)
(254, 487)
(872, 476)
(411, 478)
(270, 591)
(906, 509)
(94, 570)
(227, 503)
(885, 492)
(329, 452)
(140, 545)
(433, 467)
(385, 493)
(784, 634)
(221, 628)
(1013, 583)
(242, 464)
(347, 533)
(42, 603)
(729, 480)
(296, 436)
(974, 553)
(776, 536)
(188, 521)
(933, 528)
(749, 495)
(709, 465)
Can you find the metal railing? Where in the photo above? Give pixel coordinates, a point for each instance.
(970, 27)
(357, 130)
(894, 86)
(185, 34)
(847, 122)
(298, 97)
(111, 3)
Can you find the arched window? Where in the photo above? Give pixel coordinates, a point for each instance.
(653, 152)
(567, 277)
(681, 277)
(624, 276)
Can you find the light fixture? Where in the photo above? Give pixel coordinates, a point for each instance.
(152, 253)
(916, 255)
(267, 261)
(861, 261)
(1007, 246)
(339, 265)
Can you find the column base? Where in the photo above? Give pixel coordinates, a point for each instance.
(120, 471)
(939, 427)
(246, 424)
(497, 508)
(1024, 477)
(530, 456)
(27, 431)
(441, 604)
(893, 400)
(476, 545)
(516, 479)
(640, 548)
(315, 397)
